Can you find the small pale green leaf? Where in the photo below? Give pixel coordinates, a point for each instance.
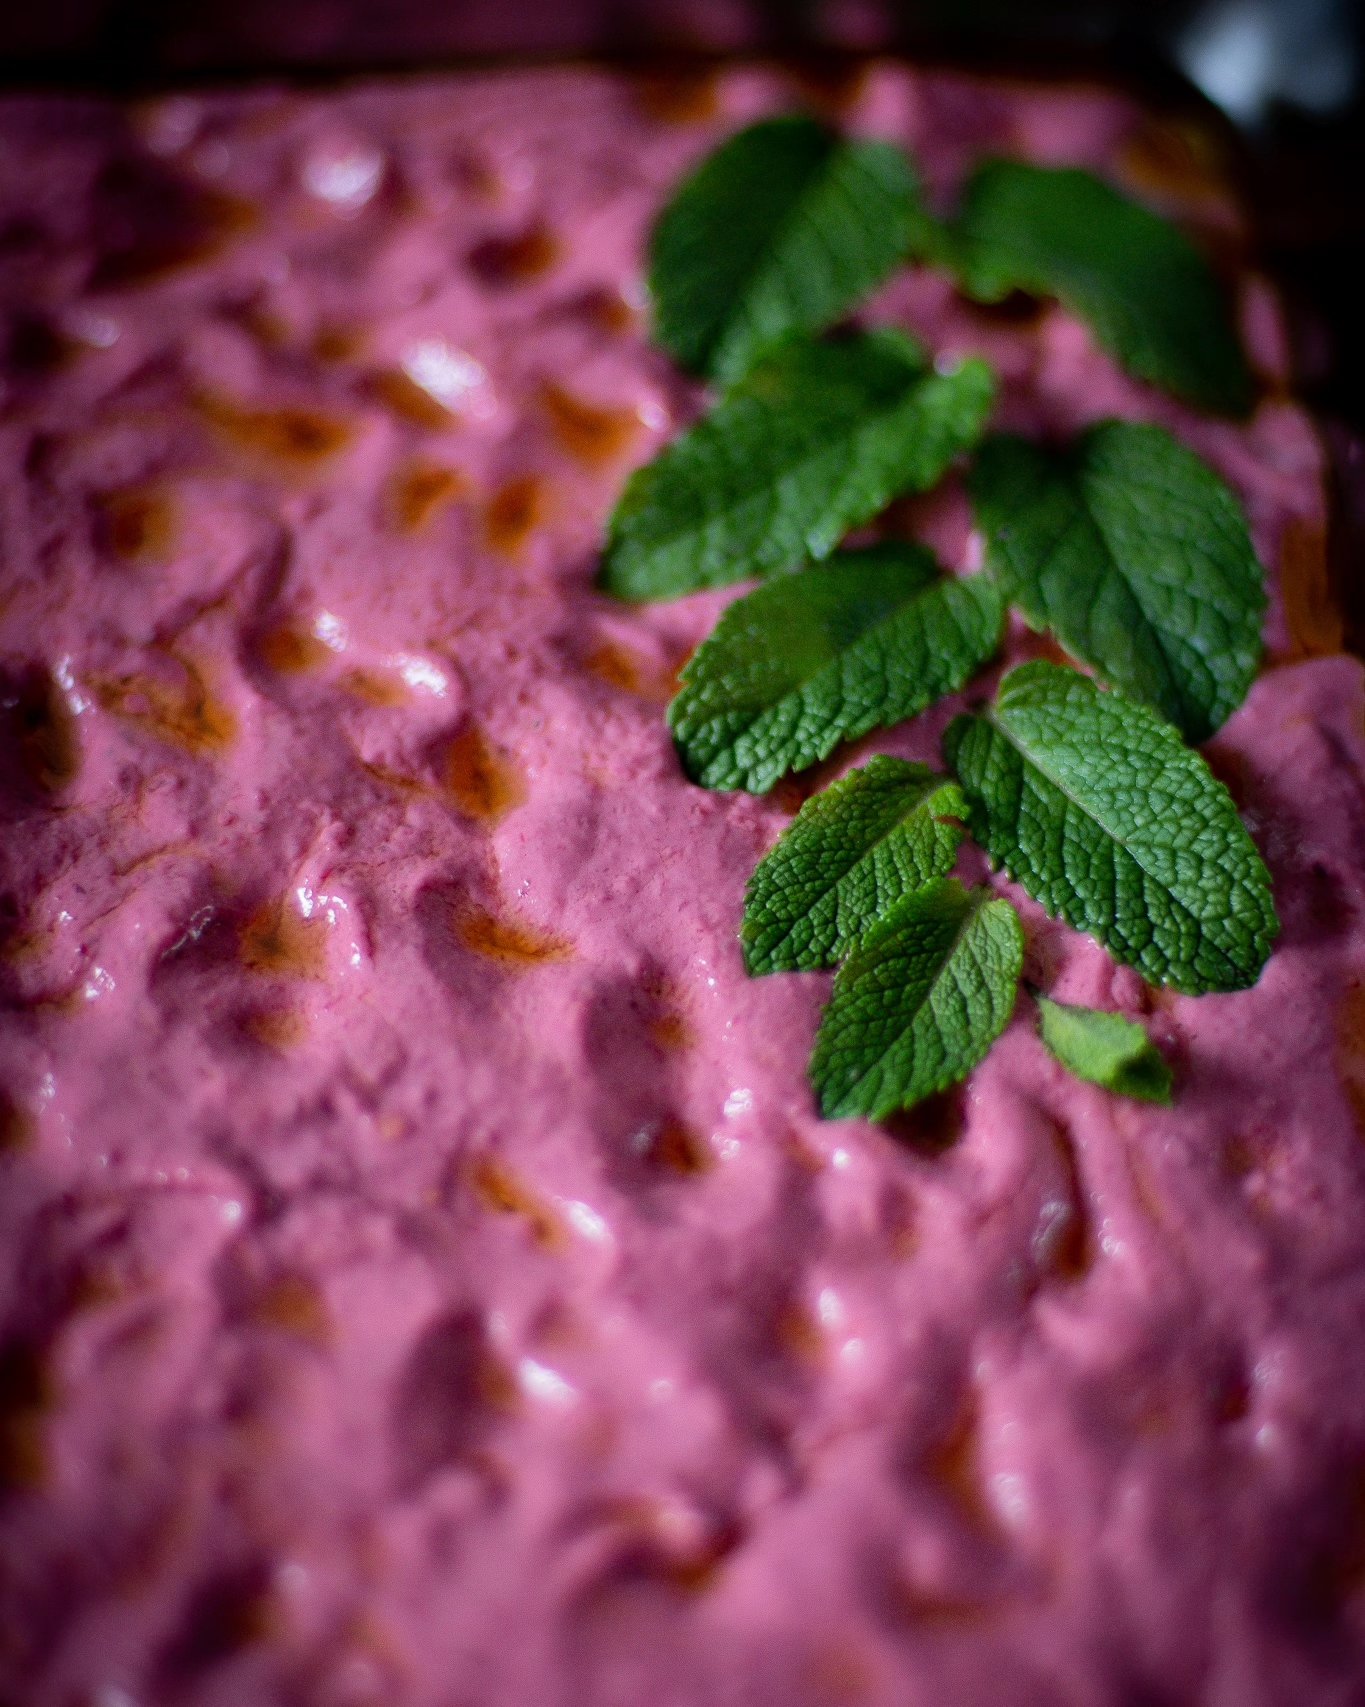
(782, 229)
(1105, 1049)
(1146, 291)
(1137, 557)
(846, 859)
(919, 1003)
(1109, 821)
(812, 442)
(821, 656)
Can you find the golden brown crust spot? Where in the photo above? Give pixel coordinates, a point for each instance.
(619, 667)
(650, 1545)
(515, 260)
(375, 687)
(803, 1155)
(679, 97)
(513, 513)
(294, 1304)
(592, 435)
(182, 713)
(799, 1334)
(609, 310)
(403, 397)
(269, 329)
(513, 944)
(294, 437)
(277, 1028)
(671, 1031)
(397, 780)
(499, 1189)
(952, 1462)
(1178, 160)
(680, 1149)
(139, 524)
(483, 781)
(332, 344)
(695, 1569)
(278, 940)
(665, 1019)
(789, 795)
(1310, 605)
(420, 491)
(291, 651)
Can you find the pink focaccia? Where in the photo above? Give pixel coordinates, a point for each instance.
(424, 1279)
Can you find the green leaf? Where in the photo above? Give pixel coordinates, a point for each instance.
(1105, 1049)
(1137, 557)
(813, 441)
(1109, 821)
(780, 230)
(919, 1003)
(846, 859)
(824, 655)
(1147, 292)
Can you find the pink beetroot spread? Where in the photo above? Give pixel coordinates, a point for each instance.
(425, 1281)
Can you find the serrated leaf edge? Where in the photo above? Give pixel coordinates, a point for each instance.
(942, 784)
(983, 898)
(1263, 939)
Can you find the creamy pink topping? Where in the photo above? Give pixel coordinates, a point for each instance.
(425, 1279)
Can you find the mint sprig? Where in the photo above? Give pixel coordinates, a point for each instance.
(1124, 545)
(864, 640)
(850, 854)
(1137, 557)
(919, 1002)
(1146, 291)
(1105, 1049)
(1109, 821)
(812, 442)
(780, 230)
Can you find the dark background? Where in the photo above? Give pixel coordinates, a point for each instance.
(1284, 78)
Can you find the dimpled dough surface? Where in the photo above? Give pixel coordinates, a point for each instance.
(423, 1277)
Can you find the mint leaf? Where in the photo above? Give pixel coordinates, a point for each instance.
(1146, 291)
(1137, 557)
(1108, 820)
(780, 230)
(824, 655)
(1105, 1049)
(919, 1003)
(812, 442)
(848, 856)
